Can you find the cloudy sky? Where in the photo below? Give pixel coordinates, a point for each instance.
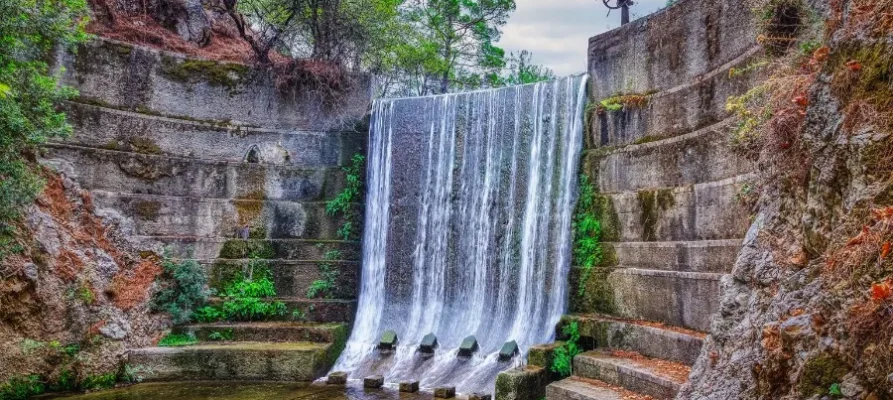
(558, 31)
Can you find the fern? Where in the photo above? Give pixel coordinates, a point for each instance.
(563, 358)
(343, 203)
(587, 233)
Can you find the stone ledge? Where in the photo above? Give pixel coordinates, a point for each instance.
(711, 256)
(682, 299)
(126, 172)
(104, 127)
(705, 211)
(154, 215)
(303, 362)
(648, 339)
(229, 248)
(672, 162)
(625, 373)
(574, 388)
(271, 331)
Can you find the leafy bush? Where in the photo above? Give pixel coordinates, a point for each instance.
(587, 232)
(563, 359)
(178, 340)
(184, 287)
(326, 287)
(343, 203)
(30, 97)
(221, 336)
(247, 298)
(22, 388)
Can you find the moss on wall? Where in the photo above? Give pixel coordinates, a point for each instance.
(652, 203)
(228, 75)
(147, 210)
(820, 373)
(597, 295)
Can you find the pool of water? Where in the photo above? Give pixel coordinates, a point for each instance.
(244, 391)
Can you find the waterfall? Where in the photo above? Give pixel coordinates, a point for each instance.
(467, 229)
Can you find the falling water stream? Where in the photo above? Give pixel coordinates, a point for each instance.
(467, 229)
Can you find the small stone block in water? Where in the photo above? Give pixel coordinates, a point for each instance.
(429, 344)
(480, 396)
(445, 392)
(469, 346)
(373, 382)
(409, 387)
(388, 340)
(509, 350)
(337, 378)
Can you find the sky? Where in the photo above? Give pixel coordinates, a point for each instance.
(558, 31)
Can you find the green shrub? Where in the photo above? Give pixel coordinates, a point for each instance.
(178, 340)
(22, 388)
(30, 96)
(563, 359)
(221, 336)
(343, 203)
(247, 298)
(184, 287)
(327, 287)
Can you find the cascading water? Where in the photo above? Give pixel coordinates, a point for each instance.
(467, 229)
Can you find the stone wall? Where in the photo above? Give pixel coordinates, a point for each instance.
(188, 152)
(671, 193)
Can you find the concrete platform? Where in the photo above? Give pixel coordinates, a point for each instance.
(301, 362)
(630, 374)
(650, 340)
(276, 332)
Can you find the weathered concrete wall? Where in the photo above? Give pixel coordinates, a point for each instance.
(188, 152)
(672, 192)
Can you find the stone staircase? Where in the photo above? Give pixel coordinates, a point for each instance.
(672, 199)
(268, 351)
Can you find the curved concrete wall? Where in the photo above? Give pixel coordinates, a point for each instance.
(164, 141)
(670, 186)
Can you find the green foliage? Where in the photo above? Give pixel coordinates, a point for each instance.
(345, 202)
(221, 336)
(96, 382)
(184, 287)
(30, 97)
(85, 294)
(520, 70)
(327, 287)
(587, 232)
(178, 340)
(22, 388)
(563, 359)
(755, 66)
(834, 390)
(247, 298)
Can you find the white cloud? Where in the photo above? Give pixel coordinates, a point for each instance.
(558, 31)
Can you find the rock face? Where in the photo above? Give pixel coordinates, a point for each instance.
(806, 311)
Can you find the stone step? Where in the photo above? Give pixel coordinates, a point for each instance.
(154, 215)
(705, 211)
(650, 339)
(710, 256)
(227, 248)
(315, 310)
(576, 388)
(670, 162)
(277, 332)
(297, 361)
(291, 278)
(132, 172)
(657, 378)
(685, 299)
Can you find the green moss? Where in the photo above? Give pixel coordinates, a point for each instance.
(96, 382)
(242, 249)
(178, 340)
(648, 139)
(143, 146)
(147, 210)
(820, 373)
(597, 295)
(652, 203)
(228, 75)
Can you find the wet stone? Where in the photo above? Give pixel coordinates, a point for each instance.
(409, 387)
(480, 396)
(429, 344)
(508, 351)
(469, 346)
(373, 382)
(337, 378)
(446, 392)
(388, 341)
